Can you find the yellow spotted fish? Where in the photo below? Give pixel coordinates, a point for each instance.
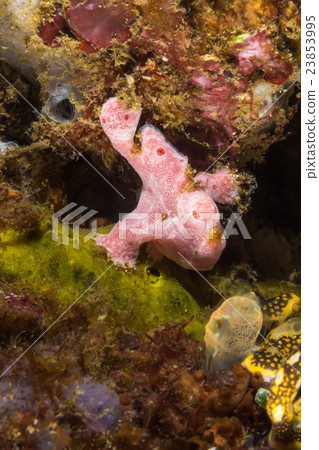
(283, 408)
(279, 344)
(277, 309)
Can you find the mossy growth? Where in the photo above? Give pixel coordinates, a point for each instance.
(49, 268)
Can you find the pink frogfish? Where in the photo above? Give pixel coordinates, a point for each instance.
(176, 214)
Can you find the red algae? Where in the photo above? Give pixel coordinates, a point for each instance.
(98, 21)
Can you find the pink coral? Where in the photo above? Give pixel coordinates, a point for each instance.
(177, 218)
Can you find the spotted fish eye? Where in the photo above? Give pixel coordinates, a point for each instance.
(196, 214)
(160, 151)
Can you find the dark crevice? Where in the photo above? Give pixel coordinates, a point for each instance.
(274, 218)
(84, 186)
